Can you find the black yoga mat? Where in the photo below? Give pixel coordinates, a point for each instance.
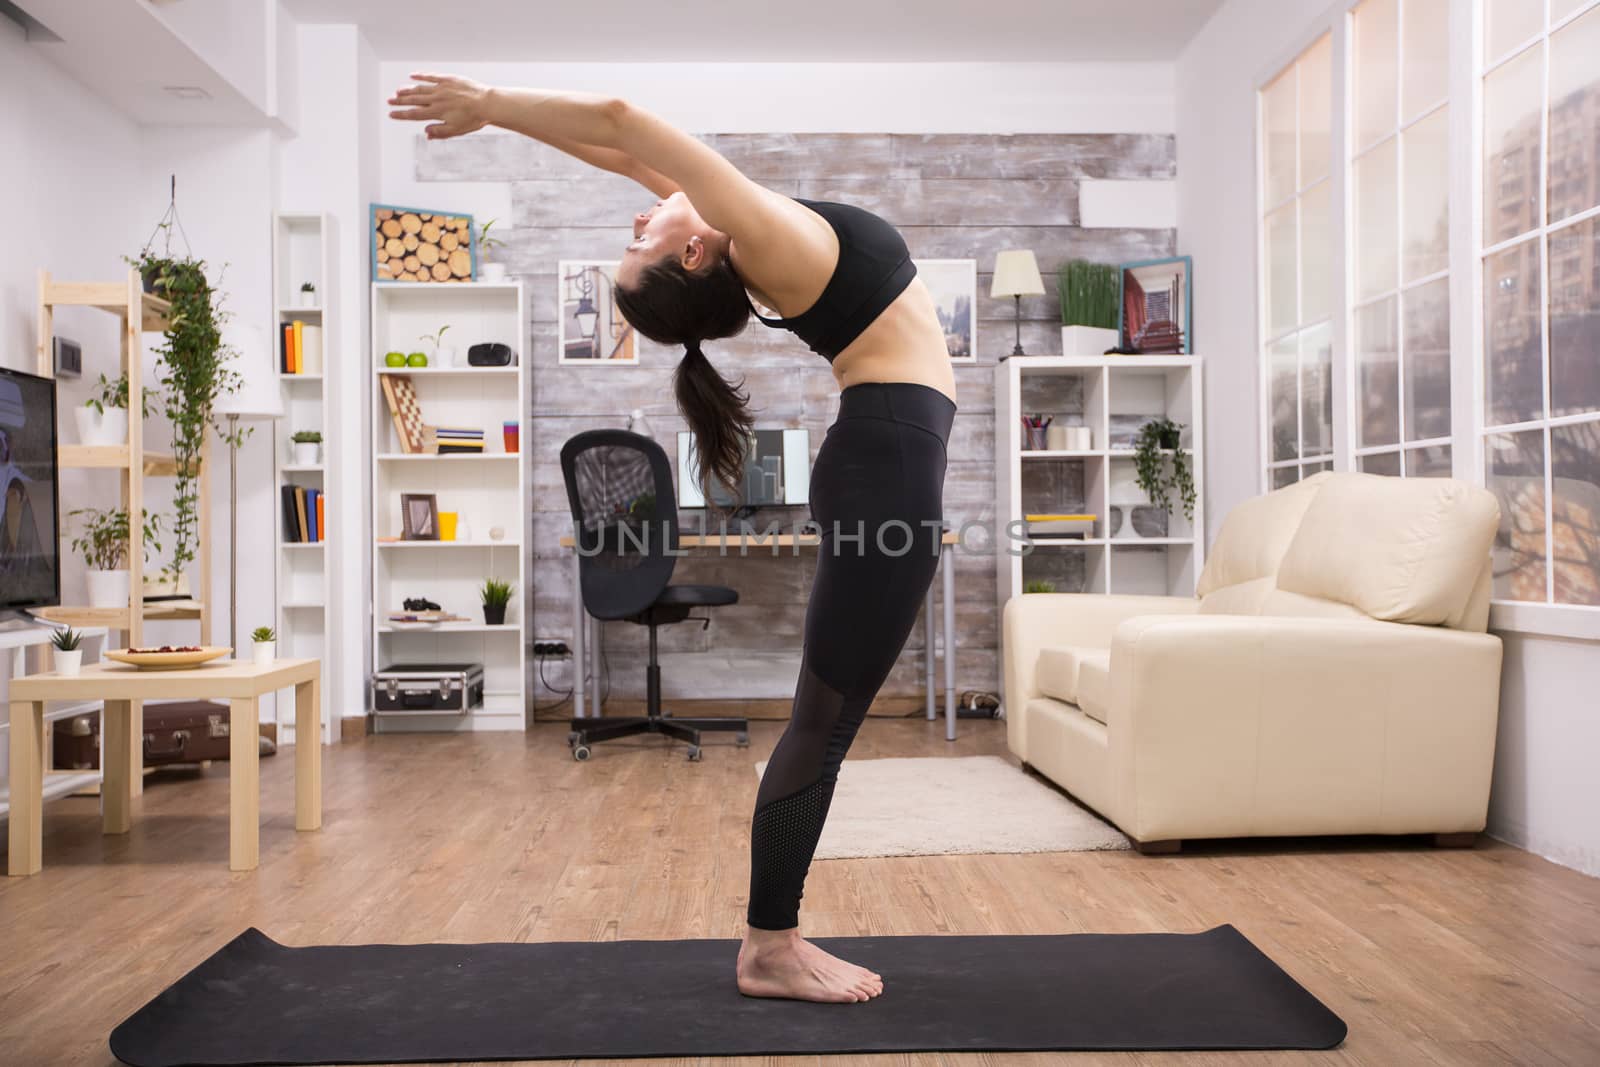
(258, 1002)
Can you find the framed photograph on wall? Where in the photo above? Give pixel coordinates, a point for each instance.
(1154, 309)
(421, 245)
(419, 517)
(954, 285)
(591, 331)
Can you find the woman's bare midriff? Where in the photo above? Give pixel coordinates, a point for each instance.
(903, 344)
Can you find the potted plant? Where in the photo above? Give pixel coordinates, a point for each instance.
(103, 418)
(1039, 585)
(104, 547)
(68, 656)
(489, 271)
(308, 295)
(307, 447)
(496, 595)
(1157, 451)
(263, 646)
(442, 357)
(1089, 294)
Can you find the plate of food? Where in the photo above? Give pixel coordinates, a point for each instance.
(167, 657)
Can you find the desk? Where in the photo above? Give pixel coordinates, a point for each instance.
(763, 544)
(240, 683)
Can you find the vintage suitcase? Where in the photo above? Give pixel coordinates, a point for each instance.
(187, 731)
(427, 688)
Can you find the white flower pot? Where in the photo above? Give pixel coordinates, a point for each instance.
(94, 428)
(491, 272)
(262, 653)
(1086, 340)
(306, 300)
(108, 589)
(307, 454)
(444, 357)
(68, 663)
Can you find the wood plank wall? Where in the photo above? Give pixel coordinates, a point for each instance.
(951, 196)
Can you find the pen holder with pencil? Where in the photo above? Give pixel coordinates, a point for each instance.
(1035, 432)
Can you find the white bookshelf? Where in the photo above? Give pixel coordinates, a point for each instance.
(307, 610)
(1109, 394)
(485, 491)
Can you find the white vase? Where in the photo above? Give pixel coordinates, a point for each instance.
(1086, 340)
(306, 453)
(68, 663)
(444, 357)
(97, 428)
(307, 300)
(262, 653)
(491, 272)
(108, 589)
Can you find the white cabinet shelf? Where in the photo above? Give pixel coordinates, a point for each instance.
(485, 491)
(1113, 396)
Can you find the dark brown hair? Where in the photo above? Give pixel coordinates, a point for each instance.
(675, 306)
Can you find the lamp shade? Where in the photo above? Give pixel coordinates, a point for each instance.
(257, 396)
(1016, 273)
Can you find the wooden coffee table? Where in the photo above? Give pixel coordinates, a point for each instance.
(240, 683)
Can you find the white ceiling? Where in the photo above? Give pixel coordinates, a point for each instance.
(721, 31)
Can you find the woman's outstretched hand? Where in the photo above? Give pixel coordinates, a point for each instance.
(456, 105)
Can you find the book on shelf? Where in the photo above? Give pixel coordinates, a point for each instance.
(310, 349)
(291, 523)
(322, 527)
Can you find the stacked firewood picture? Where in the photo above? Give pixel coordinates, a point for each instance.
(421, 246)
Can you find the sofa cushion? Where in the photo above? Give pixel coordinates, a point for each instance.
(1094, 686)
(1256, 534)
(1399, 549)
(1241, 598)
(1057, 675)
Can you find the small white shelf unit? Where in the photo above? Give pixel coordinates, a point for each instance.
(1113, 396)
(485, 492)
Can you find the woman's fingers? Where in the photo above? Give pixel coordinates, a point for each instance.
(414, 114)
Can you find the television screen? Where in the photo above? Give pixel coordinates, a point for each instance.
(30, 566)
(776, 470)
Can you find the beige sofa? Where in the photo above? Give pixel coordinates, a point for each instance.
(1333, 676)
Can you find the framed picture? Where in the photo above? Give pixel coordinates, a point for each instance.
(421, 245)
(1153, 315)
(954, 285)
(591, 330)
(419, 517)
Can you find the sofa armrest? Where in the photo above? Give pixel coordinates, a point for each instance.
(1250, 725)
(1034, 620)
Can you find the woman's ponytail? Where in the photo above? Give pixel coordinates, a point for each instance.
(719, 416)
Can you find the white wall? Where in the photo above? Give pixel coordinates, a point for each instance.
(1546, 789)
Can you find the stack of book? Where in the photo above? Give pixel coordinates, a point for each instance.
(447, 440)
(1052, 524)
(303, 512)
(299, 348)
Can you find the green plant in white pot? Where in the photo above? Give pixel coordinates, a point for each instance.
(68, 656)
(103, 418)
(263, 645)
(1089, 295)
(103, 544)
(307, 447)
(489, 270)
(308, 295)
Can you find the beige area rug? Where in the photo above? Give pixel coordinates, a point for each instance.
(932, 806)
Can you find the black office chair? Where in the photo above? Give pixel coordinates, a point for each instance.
(625, 524)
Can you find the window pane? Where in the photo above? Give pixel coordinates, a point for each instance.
(1513, 374)
(1278, 117)
(1426, 240)
(1575, 471)
(1430, 462)
(1575, 118)
(1515, 468)
(1508, 23)
(1427, 52)
(1316, 254)
(1381, 463)
(1316, 390)
(1282, 311)
(1427, 326)
(1376, 69)
(1375, 221)
(1308, 469)
(1377, 364)
(1511, 103)
(1283, 363)
(1316, 110)
(1575, 319)
(1282, 476)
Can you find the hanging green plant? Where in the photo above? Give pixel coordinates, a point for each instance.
(1155, 451)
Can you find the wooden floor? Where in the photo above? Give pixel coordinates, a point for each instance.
(1432, 957)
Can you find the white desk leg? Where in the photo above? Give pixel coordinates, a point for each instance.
(948, 568)
(929, 646)
(580, 661)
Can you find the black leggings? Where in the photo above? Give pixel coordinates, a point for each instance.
(877, 493)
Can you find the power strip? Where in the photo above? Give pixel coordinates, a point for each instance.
(550, 649)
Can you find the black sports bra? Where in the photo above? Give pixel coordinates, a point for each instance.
(874, 267)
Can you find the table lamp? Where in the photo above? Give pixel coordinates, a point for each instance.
(256, 398)
(1016, 274)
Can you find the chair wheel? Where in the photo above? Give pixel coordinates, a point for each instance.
(580, 753)
(743, 739)
(572, 738)
(694, 753)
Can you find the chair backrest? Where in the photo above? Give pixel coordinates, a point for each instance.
(624, 519)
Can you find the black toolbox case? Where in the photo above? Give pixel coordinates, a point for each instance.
(427, 689)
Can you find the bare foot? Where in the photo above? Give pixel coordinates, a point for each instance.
(792, 967)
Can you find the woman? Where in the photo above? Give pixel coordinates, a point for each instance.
(846, 283)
